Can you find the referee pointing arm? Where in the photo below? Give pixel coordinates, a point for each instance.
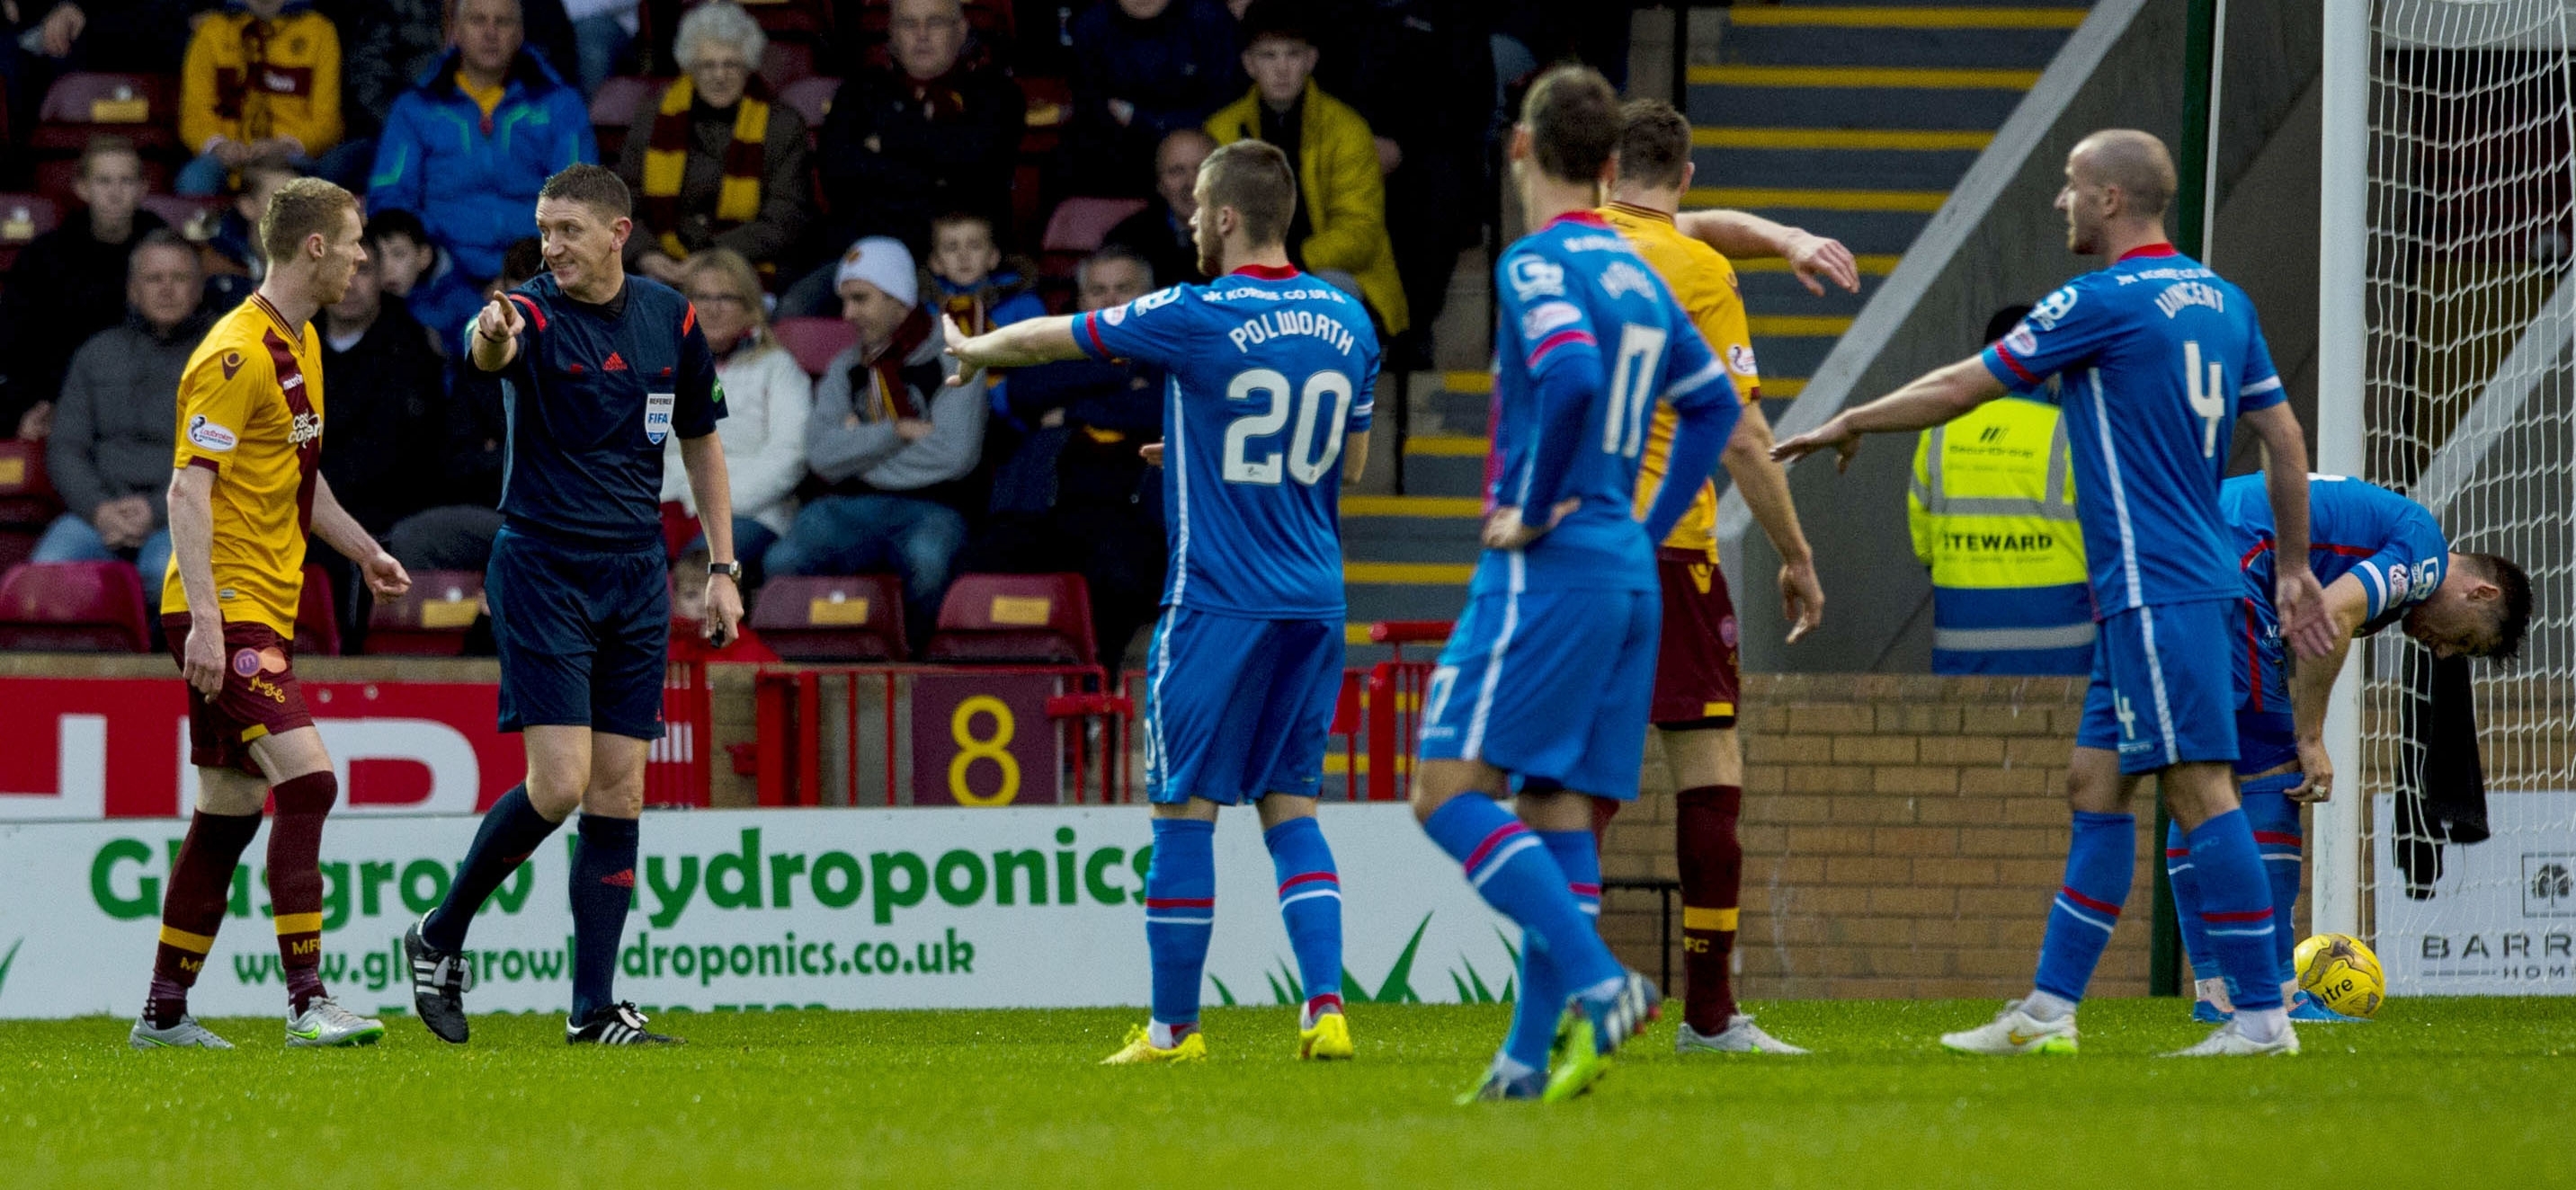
(599, 370)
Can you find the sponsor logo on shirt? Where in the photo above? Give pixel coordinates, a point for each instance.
(307, 427)
(291, 382)
(2054, 308)
(1740, 358)
(1533, 278)
(246, 662)
(1114, 315)
(206, 435)
(2020, 340)
(2397, 583)
(1547, 316)
(616, 363)
(232, 363)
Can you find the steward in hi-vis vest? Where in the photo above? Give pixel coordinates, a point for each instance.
(1992, 508)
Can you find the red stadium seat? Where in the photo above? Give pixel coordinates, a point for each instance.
(73, 607)
(1076, 231)
(613, 110)
(317, 616)
(431, 619)
(27, 498)
(1036, 619)
(814, 341)
(786, 62)
(142, 108)
(812, 99)
(839, 618)
(23, 217)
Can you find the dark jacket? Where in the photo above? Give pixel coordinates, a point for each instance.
(1176, 68)
(783, 185)
(478, 438)
(486, 173)
(384, 45)
(1162, 240)
(384, 408)
(120, 407)
(887, 170)
(1110, 408)
(66, 286)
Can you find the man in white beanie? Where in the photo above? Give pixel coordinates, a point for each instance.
(892, 441)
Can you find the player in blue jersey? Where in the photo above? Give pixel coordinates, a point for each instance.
(1547, 679)
(599, 368)
(2383, 560)
(1273, 376)
(2157, 356)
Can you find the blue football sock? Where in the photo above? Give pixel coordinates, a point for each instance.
(1180, 914)
(2099, 860)
(603, 885)
(2277, 837)
(2236, 908)
(511, 830)
(1310, 904)
(1512, 870)
(1543, 993)
(2186, 895)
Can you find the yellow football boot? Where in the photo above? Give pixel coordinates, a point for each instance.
(1329, 1039)
(1140, 1048)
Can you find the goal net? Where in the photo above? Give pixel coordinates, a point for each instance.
(2466, 207)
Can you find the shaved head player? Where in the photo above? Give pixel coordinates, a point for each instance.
(243, 498)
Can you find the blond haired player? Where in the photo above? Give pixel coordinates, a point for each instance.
(1695, 671)
(245, 495)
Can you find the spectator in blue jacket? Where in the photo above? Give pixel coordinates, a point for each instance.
(1144, 69)
(469, 145)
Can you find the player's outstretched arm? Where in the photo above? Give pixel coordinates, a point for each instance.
(192, 542)
(712, 486)
(495, 335)
(1933, 398)
(342, 532)
(1019, 345)
(1765, 487)
(2299, 600)
(1354, 456)
(1814, 258)
(2312, 683)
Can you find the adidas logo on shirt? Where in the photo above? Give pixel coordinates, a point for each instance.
(614, 364)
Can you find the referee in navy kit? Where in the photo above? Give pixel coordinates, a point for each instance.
(599, 368)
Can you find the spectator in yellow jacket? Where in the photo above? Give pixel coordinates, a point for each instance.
(261, 85)
(1338, 231)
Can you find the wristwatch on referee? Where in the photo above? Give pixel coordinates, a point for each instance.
(731, 570)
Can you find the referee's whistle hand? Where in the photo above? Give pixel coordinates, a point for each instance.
(723, 611)
(499, 320)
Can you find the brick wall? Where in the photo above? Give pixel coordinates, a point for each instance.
(1902, 836)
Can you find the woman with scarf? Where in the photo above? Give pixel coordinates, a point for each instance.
(767, 401)
(715, 163)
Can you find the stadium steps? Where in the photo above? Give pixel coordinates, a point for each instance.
(1854, 121)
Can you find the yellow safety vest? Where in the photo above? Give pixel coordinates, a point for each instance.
(1992, 509)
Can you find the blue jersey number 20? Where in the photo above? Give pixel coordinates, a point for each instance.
(1312, 446)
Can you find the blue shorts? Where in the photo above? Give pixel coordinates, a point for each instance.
(1237, 708)
(584, 634)
(2162, 693)
(1549, 686)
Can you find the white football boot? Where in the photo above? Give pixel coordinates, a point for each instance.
(1741, 1036)
(2014, 1031)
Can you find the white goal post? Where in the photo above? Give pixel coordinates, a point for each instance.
(2447, 223)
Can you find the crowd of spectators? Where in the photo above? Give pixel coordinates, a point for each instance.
(916, 189)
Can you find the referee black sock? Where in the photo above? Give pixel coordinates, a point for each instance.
(603, 885)
(511, 830)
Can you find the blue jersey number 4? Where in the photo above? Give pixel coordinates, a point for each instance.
(1312, 446)
(2208, 395)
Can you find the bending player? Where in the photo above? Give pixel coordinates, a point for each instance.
(246, 494)
(2158, 354)
(1273, 376)
(605, 367)
(2384, 561)
(1548, 676)
(1696, 678)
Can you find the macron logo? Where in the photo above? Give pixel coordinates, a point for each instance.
(614, 364)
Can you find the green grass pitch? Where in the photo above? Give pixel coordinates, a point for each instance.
(2436, 1093)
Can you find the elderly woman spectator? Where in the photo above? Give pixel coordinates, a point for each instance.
(715, 164)
(767, 402)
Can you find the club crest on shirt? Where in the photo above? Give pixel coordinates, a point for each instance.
(206, 435)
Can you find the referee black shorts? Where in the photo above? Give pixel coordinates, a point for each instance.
(583, 634)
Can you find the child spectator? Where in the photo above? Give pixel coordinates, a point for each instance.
(423, 275)
(261, 85)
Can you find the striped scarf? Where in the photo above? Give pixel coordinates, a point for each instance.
(667, 155)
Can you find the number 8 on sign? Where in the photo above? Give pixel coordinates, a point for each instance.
(995, 748)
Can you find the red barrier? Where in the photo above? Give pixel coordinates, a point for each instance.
(676, 769)
(1394, 726)
(968, 749)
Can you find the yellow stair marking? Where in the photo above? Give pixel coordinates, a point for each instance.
(1421, 506)
(1838, 138)
(1358, 634)
(1798, 324)
(1934, 78)
(1786, 386)
(1447, 446)
(1467, 382)
(1870, 266)
(1434, 574)
(1925, 201)
(1911, 18)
